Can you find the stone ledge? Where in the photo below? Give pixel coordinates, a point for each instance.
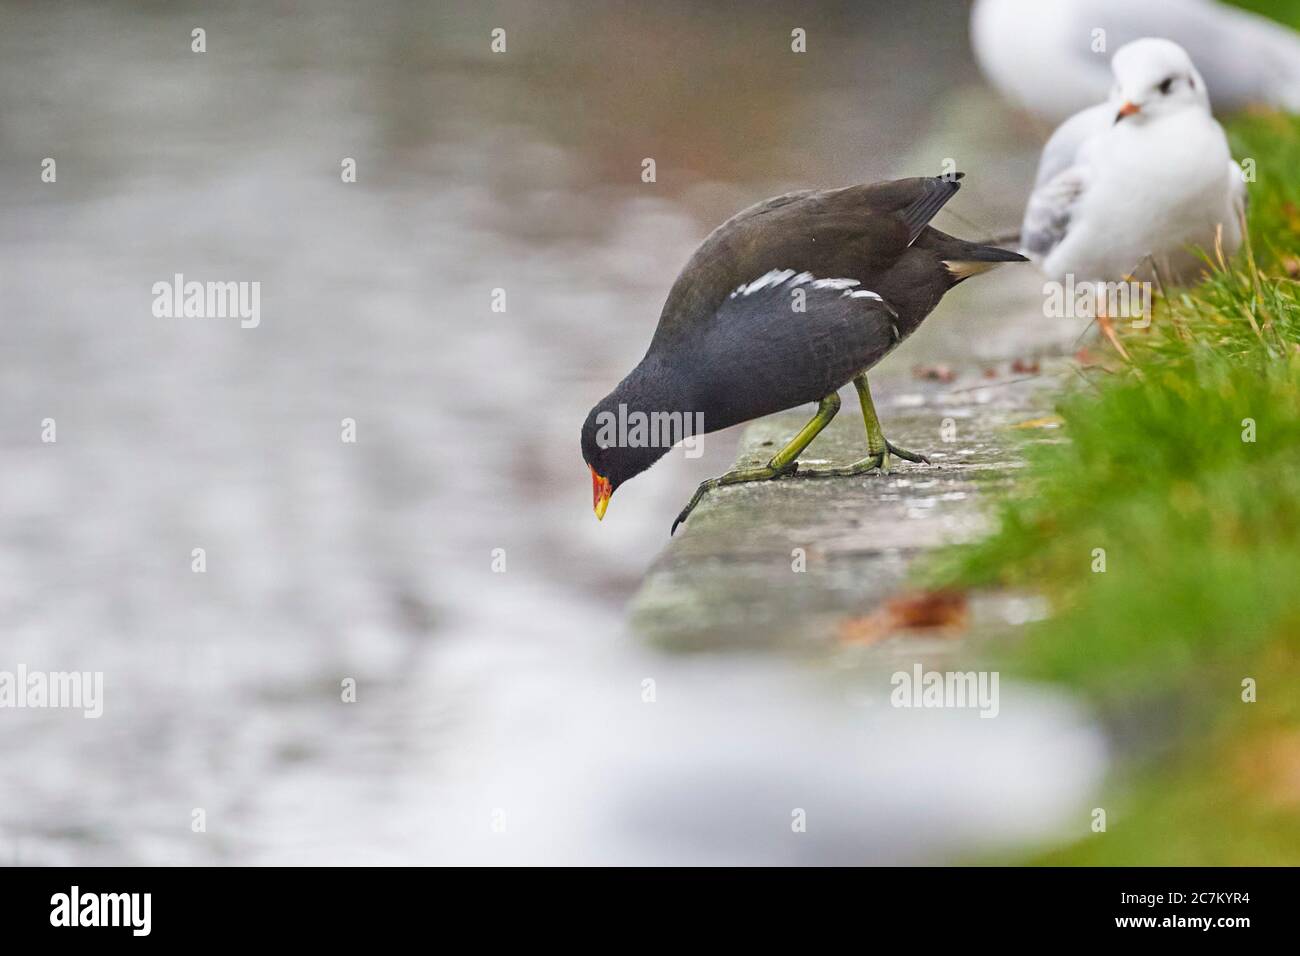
(726, 579)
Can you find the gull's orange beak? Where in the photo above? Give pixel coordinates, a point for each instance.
(1128, 109)
(600, 492)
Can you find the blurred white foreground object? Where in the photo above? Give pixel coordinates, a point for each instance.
(1047, 56)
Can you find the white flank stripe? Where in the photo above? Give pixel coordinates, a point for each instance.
(787, 277)
(771, 279)
(778, 277)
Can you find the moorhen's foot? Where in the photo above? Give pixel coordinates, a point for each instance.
(859, 467)
(906, 455)
(739, 476)
(864, 465)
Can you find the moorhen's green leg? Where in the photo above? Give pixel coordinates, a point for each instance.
(879, 447)
(783, 462)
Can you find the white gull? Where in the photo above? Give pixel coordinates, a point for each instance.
(1043, 54)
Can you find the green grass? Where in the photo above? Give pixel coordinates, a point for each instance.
(1285, 11)
(1271, 140)
(1200, 531)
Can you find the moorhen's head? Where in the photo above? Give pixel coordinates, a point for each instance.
(610, 462)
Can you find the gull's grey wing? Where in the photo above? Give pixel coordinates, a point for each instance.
(1060, 182)
(1047, 217)
(1062, 149)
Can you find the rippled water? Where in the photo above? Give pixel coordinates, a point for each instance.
(483, 698)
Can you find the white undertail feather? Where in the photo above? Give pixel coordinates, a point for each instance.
(965, 268)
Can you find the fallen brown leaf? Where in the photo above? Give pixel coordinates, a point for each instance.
(934, 373)
(944, 611)
(1047, 421)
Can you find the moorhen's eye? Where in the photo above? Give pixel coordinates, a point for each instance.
(1166, 85)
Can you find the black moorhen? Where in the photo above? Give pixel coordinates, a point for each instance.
(782, 305)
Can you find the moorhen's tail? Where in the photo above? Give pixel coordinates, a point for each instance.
(935, 192)
(964, 259)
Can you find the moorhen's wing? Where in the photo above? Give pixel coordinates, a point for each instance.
(857, 232)
(781, 340)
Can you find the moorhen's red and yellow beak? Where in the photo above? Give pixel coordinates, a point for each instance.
(600, 492)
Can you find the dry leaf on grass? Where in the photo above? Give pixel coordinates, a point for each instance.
(1272, 764)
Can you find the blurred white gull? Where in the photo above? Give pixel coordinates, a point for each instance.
(1143, 178)
(1041, 55)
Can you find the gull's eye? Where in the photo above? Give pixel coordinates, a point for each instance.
(1166, 85)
